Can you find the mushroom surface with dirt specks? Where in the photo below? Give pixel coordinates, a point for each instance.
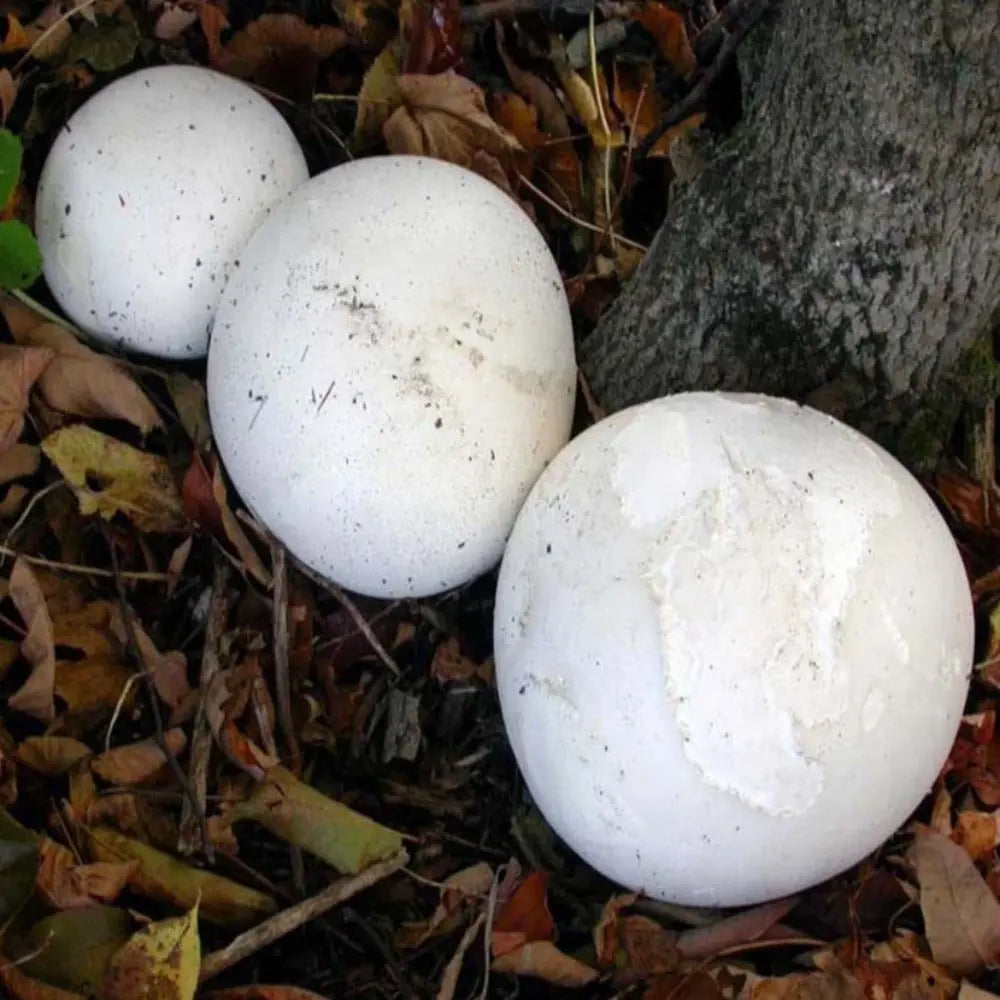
(390, 369)
(147, 197)
(733, 640)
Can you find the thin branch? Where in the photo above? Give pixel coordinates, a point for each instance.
(355, 612)
(740, 16)
(149, 576)
(193, 833)
(290, 919)
(135, 652)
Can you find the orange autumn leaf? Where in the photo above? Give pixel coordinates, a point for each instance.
(66, 884)
(635, 95)
(670, 32)
(525, 916)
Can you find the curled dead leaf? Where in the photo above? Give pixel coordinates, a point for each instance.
(65, 883)
(51, 755)
(543, 960)
(138, 762)
(35, 696)
(20, 368)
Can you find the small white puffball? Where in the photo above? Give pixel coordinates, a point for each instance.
(390, 369)
(146, 200)
(733, 640)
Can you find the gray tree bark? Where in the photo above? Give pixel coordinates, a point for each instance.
(843, 248)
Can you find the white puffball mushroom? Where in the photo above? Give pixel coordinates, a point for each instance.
(733, 639)
(390, 369)
(147, 197)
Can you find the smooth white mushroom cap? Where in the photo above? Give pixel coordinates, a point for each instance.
(146, 200)
(733, 639)
(390, 369)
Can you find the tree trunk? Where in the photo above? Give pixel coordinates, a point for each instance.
(844, 247)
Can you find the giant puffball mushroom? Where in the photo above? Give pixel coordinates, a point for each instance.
(390, 369)
(147, 197)
(733, 640)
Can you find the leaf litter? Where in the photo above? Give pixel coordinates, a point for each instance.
(169, 827)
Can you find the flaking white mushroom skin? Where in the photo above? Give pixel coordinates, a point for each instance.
(146, 200)
(733, 639)
(390, 370)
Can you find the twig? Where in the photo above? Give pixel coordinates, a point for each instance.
(406, 990)
(355, 612)
(282, 678)
(483, 13)
(75, 9)
(288, 920)
(64, 567)
(135, 652)
(740, 16)
(449, 981)
(192, 835)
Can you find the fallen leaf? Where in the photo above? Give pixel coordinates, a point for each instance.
(8, 94)
(165, 878)
(833, 985)
(651, 949)
(139, 762)
(18, 863)
(968, 991)
(66, 884)
(223, 705)
(22, 987)
(378, 97)
(543, 960)
(525, 916)
(174, 19)
(277, 993)
(431, 33)
(15, 38)
(607, 930)
(110, 477)
(271, 39)
(75, 947)
(590, 100)
(159, 962)
(468, 886)
(302, 815)
(51, 755)
(79, 381)
(168, 670)
(207, 504)
(536, 92)
(445, 117)
(191, 403)
(35, 696)
(670, 32)
(20, 367)
(961, 914)
(978, 833)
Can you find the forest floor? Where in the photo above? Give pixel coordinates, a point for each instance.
(148, 685)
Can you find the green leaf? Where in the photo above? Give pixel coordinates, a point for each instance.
(106, 46)
(10, 164)
(18, 865)
(72, 949)
(20, 258)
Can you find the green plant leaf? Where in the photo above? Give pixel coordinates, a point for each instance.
(72, 949)
(18, 865)
(106, 46)
(20, 257)
(10, 164)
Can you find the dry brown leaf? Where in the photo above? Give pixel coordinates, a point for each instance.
(450, 664)
(220, 700)
(833, 985)
(271, 39)
(174, 19)
(20, 368)
(110, 477)
(968, 991)
(670, 32)
(445, 117)
(18, 461)
(536, 92)
(139, 762)
(51, 755)
(651, 948)
(524, 917)
(543, 960)
(961, 914)
(168, 670)
(978, 833)
(191, 402)
(467, 886)
(607, 930)
(590, 100)
(22, 987)
(35, 696)
(79, 381)
(66, 884)
(8, 94)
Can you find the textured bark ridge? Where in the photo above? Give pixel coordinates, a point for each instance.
(844, 247)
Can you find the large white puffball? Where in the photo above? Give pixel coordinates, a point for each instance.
(390, 370)
(147, 197)
(733, 640)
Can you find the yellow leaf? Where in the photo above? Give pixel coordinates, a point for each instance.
(159, 962)
(170, 880)
(110, 477)
(598, 118)
(378, 98)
